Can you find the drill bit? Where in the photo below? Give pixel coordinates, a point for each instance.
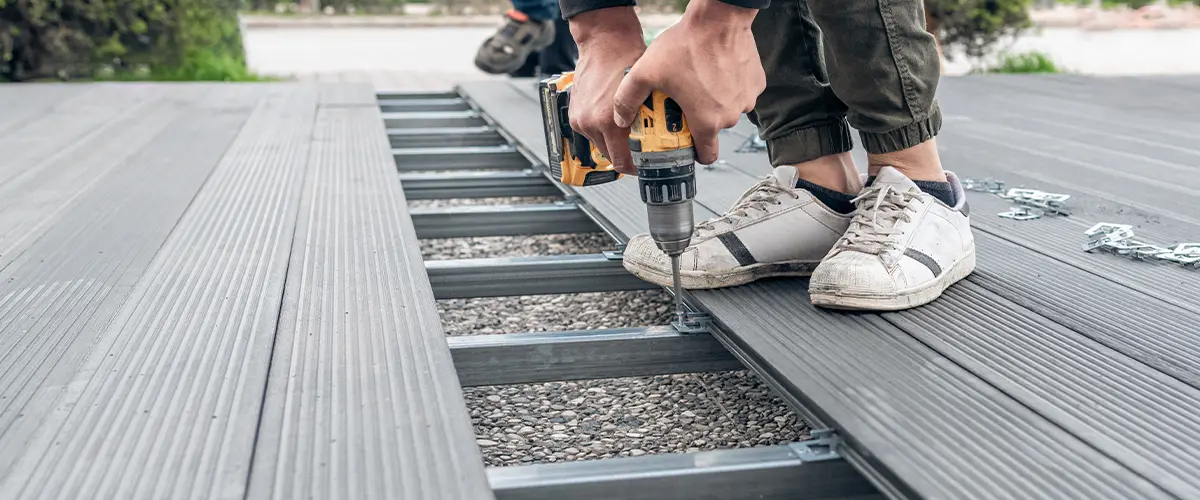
(679, 311)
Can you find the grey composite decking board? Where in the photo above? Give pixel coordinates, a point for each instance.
(1138, 325)
(348, 94)
(508, 105)
(363, 400)
(59, 297)
(167, 403)
(914, 417)
(65, 127)
(31, 202)
(1060, 238)
(883, 389)
(1124, 408)
(22, 103)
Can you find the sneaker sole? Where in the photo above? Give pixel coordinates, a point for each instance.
(700, 280)
(905, 299)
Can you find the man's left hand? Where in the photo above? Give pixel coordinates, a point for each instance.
(708, 63)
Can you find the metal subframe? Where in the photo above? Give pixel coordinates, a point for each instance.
(501, 220)
(812, 469)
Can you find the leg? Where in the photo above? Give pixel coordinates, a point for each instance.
(884, 65)
(528, 28)
(561, 55)
(786, 223)
(798, 114)
(911, 237)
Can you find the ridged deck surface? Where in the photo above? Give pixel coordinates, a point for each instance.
(1050, 372)
(164, 249)
(363, 400)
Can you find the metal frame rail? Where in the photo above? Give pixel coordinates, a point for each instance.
(446, 148)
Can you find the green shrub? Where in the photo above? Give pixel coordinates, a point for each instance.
(975, 25)
(124, 39)
(1025, 62)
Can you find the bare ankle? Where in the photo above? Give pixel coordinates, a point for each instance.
(919, 163)
(836, 172)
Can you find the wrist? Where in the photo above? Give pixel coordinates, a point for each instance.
(606, 26)
(718, 13)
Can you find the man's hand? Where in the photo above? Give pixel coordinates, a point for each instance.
(708, 63)
(610, 40)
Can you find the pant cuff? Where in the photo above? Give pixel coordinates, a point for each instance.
(810, 143)
(904, 137)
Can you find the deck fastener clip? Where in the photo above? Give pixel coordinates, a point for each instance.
(693, 322)
(618, 254)
(822, 446)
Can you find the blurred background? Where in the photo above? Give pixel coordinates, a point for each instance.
(430, 44)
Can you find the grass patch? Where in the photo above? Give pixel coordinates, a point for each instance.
(201, 67)
(1024, 62)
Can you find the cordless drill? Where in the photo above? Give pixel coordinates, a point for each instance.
(663, 153)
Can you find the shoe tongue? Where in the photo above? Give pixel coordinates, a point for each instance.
(889, 175)
(786, 176)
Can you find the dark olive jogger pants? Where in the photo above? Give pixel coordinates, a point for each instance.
(833, 64)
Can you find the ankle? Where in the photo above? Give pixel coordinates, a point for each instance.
(836, 172)
(919, 163)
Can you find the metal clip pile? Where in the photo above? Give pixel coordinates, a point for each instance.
(1118, 239)
(1030, 203)
(753, 144)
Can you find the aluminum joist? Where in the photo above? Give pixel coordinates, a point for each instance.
(447, 185)
(456, 138)
(459, 158)
(807, 470)
(363, 400)
(432, 120)
(499, 277)
(1000, 389)
(535, 357)
(422, 105)
(501, 220)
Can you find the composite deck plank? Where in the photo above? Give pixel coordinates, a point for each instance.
(166, 401)
(925, 413)
(40, 193)
(61, 295)
(363, 399)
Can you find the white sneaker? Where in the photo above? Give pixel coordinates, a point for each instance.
(903, 249)
(774, 229)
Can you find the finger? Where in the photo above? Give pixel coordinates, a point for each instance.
(632, 91)
(618, 144)
(705, 140)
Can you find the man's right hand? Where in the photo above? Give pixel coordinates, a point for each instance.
(610, 40)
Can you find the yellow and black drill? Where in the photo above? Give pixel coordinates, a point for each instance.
(663, 153)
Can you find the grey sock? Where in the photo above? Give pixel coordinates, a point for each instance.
(837, 201)
(939, 190)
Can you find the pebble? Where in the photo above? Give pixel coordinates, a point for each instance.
(553, 422)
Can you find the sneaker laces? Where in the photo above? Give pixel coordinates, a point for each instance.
(879, 209)
(758, 198)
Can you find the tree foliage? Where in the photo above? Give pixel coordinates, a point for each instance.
(975, 25)
(162, 39)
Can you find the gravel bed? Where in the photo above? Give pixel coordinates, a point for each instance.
(590, 419)
(509, 246)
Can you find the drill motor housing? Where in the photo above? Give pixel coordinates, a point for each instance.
(665, 157)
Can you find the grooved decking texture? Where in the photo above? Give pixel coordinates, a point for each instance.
(1050, 372)
(151, 246)
(364, 401)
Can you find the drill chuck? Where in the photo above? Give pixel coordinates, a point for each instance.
(667, 183)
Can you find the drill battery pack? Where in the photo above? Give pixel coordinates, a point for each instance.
(574, 160)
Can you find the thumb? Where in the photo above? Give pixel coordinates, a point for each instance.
(632, 91)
